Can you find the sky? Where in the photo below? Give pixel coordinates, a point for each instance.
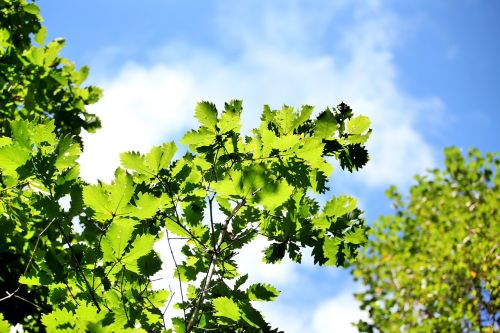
(426, 73)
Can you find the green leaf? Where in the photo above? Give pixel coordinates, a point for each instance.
(262, 292)
(357, 236)
(160, 156)
(274, 195)
(326, 125)
(330, 250)
(109, 201)
(340, 205)
(31, 8)
(175, 228)
(67, 153)
(230, 118)
(141, 246)
(358, 125)
(226, 307)
(146, 206)
(40, 36)
(136, 162)
(4, 324)
(11, 158)
(58, 319)
(116, 239)
(206, 113)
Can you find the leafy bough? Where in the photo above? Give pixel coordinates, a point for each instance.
(263, 184)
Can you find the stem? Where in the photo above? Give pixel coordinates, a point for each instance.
(213, 263)
(79, 268)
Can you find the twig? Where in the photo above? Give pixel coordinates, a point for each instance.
(213, 263)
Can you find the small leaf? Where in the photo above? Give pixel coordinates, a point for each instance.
(206, 113)
(226, 307)
(40, 36)
(358, 236)
(141, 246)
(358, 125)
(262, 292)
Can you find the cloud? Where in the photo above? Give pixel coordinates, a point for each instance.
(148, 104)
(336, 315)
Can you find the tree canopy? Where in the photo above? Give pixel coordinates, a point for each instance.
(79, 257)
(434, 265)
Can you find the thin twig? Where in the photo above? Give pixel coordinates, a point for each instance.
(213, 263)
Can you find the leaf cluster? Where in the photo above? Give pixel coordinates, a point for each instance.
(433, 265)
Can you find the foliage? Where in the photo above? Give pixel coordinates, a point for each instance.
(80, 257)
(434, 265)
(35, 82)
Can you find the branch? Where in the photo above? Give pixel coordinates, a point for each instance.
(213, 262)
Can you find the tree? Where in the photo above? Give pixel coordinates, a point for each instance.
(88, 267)
(36, 84)
(434, 265)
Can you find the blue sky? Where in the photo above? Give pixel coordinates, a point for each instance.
(426, 72)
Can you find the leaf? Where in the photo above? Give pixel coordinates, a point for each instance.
(230, 118)
(175, 228)
(357, 236)
(4, 324)
(262, 292)
(141, 246)
(226, 307)
(40, 36)
(109, 201)
(146, 206)
(339, 206)
(330, 250)
(274, 195)
(11, 158)
(159, 157)
(206, 113)
(31, 8)
(116, 239)
(135, 161)
(58, 319)
(326, 125)
(358, 125)
(67, 153)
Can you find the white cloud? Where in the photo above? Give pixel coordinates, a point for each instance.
(336, 315)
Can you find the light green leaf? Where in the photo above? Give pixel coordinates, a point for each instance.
(358, 125)
(116, 239)
(226, 307)
(357, 236)
(330, 250)
(29, 281)
(146, 206)
(160, 156)
(11, 158)
(206, 113)
(175, 228)
(200, 138)
(135, 161)
(67, 153)
(230, 118)
(141, 246)
(4, 324)
(340, 205)
(326, 125)
(31, 8)
(40, 36)
(274, 195)
(58, 320)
